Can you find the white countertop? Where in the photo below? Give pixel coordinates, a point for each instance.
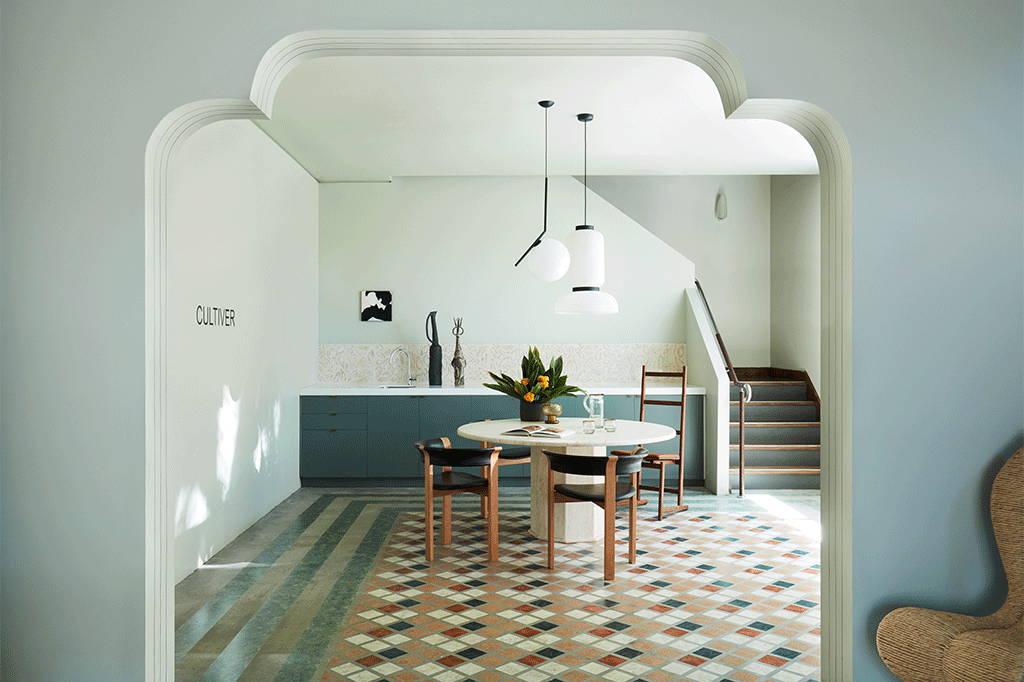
(627, 432)
(338, 389)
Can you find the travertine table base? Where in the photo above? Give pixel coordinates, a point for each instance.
(577, 522)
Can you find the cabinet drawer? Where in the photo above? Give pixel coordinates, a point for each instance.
(336, 404)
(332, 454)
(339, 421)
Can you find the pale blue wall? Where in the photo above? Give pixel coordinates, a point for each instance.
(928, 92)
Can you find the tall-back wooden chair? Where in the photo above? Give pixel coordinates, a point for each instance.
(438, 452)
(608, 495)
(662, 460)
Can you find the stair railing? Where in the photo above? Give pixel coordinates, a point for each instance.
(746, 391)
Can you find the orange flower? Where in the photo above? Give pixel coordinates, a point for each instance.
(529, 397)
(543, 380)
(524, 381)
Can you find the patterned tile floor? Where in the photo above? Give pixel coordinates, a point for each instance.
(332, 585)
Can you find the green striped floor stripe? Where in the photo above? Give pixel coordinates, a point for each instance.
(244, 646)
(205, 617)
(304, 661)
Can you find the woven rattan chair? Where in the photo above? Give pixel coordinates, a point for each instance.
(923, 645)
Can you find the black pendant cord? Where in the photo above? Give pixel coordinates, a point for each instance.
(585, 119)
(546, 104)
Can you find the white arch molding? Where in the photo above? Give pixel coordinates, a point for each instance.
(817, 126)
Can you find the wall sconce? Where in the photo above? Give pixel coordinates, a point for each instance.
(721, 205)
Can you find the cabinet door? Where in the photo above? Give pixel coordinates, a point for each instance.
(392, 428)
(443, 415)
(329, 453)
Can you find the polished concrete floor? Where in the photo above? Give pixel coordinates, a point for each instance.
(281, 601)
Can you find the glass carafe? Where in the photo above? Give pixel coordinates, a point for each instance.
(594, 404)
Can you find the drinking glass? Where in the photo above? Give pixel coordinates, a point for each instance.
(609, 425)
(588, 426)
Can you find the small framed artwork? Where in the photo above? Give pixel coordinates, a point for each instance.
(375, 306)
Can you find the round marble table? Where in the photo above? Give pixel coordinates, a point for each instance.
(573, 522)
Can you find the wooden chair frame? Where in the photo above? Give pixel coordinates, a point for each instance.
(662, 461)
(488, 496)
(501, 463)
(609, 504)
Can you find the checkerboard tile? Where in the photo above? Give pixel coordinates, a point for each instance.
(713, 596)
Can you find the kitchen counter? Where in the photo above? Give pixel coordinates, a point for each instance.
(421, 390)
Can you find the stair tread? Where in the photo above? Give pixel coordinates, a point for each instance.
(776, 446)
(777, 470)
(786, 382)
(758, 425)
(773, 402)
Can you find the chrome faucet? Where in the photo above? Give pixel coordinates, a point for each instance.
(408, 363)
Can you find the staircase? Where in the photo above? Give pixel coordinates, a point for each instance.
(783, 431)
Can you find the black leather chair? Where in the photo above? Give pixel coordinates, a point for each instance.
(608, 495)
(438, 452)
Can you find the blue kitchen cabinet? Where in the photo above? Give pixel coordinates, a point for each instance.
(330, 453)
(443, 415)
(393, 425)
(371, 437)
(332, 437)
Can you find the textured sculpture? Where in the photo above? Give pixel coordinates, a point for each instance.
(459, 360)
(924, 645)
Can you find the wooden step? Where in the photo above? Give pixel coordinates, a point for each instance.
(781, 403)
(773, 446)
(761, 425)
(776, 470)
(774, 383)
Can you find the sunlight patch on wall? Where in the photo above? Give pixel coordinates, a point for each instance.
(227, 438)
(191, 509)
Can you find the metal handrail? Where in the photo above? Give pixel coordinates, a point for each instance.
(746, 391)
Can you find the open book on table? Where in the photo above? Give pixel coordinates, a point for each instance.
(538, 431)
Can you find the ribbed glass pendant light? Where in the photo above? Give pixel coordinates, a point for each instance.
(587, 272)
(546, 258)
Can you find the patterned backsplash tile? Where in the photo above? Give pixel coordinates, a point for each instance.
(607, 364)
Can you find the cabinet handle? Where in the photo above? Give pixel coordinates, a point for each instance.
(332, 430)
(332, 414)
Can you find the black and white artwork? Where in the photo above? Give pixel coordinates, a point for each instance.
(375, 306)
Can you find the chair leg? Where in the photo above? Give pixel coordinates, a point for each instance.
(632, 519)
(446, 520)
(428, 521)
(609, 540)
(661, 491)
(679, 489)
(551, 519)
(492, 515)
(483, 501)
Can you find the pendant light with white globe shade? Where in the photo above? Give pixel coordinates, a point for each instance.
(587, 273)
(546, 258)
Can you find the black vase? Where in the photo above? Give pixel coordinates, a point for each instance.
(531, 412)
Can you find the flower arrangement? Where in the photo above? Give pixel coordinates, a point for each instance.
(538, 384)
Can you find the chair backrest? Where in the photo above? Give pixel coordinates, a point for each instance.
(681, 403)
(1007, 508)
(585, 465)
(442, 454)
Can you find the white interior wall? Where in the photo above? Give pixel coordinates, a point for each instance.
(242, 235)
(449, 243)
(796, 274)
(731, 256)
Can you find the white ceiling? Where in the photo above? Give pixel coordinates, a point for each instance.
(369, 118)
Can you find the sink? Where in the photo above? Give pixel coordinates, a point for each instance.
(398, 386)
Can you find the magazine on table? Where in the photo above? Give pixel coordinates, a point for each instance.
(538, 431)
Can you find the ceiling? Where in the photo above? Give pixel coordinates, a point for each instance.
(370, 118)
